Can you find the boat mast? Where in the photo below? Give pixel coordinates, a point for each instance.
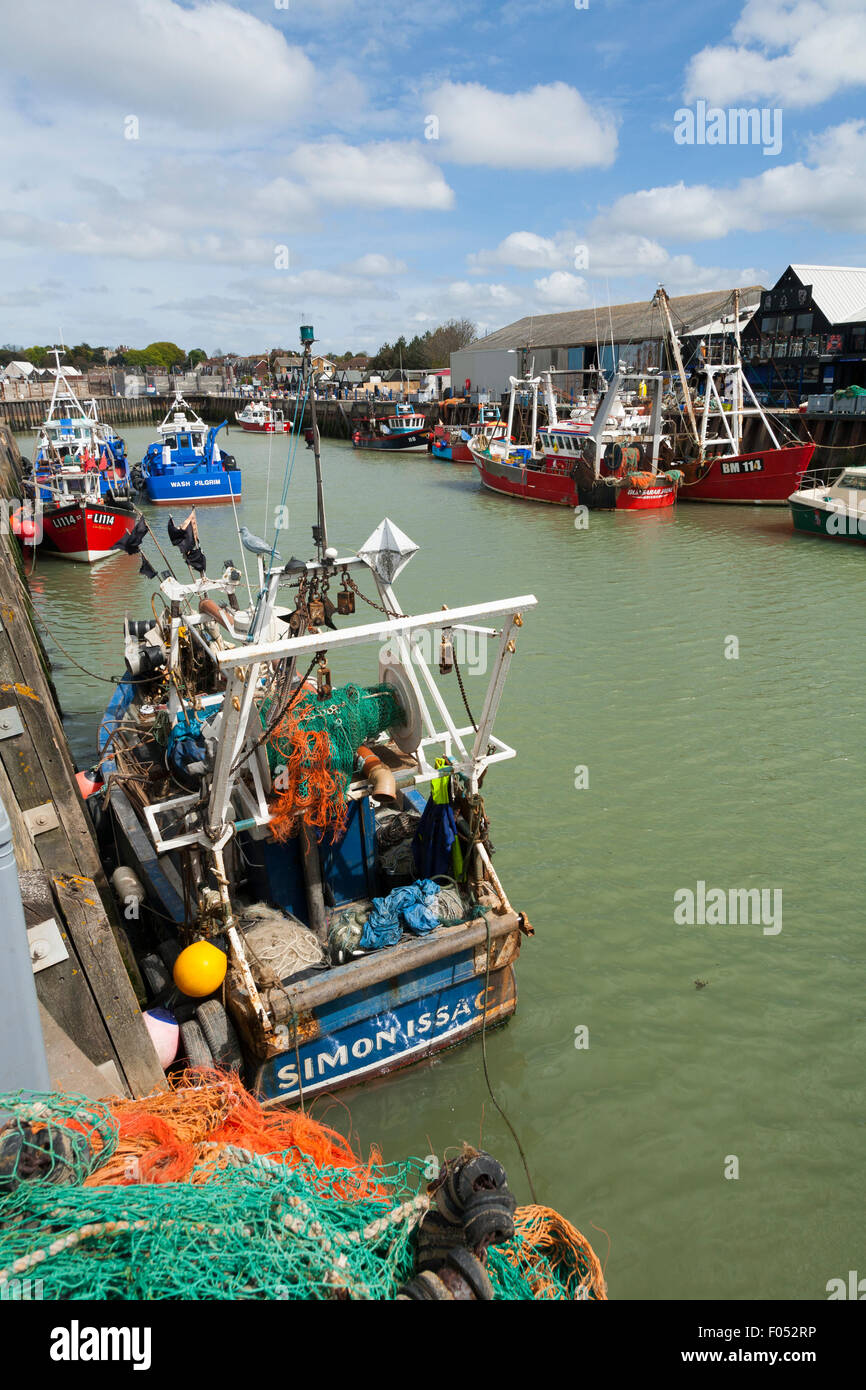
(661, 299)
(320, 532)
(738, 375)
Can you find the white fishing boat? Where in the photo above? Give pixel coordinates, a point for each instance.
(260, 417)
(837, 510)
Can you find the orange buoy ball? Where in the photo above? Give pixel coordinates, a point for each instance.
(200, 969)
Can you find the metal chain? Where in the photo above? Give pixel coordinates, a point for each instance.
(463, 693)
(350, 584)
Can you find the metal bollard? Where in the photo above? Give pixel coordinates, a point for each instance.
(23, 1065)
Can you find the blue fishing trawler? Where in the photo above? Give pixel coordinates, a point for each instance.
(331, 844)
(186, 464)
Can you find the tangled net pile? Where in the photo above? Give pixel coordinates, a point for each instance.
(202, 1193)
(311, 753)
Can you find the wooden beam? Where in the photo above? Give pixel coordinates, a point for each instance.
(94, 941)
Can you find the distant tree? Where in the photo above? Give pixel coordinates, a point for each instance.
(449, 337)
(165, 355)
(37, 355)
(195, 356)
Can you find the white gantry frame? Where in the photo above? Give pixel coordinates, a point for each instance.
(240, 784)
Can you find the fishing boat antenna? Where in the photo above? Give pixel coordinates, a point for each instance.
(320, 532)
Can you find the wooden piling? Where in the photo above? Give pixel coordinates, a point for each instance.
(90, 995)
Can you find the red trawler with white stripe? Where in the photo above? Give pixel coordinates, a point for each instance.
(614, 466)
(715, 468)
(70, 518)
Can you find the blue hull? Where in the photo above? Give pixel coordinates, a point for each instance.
(375, 1031)
(193, 485)
(442, 451)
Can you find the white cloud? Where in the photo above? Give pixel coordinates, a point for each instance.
(524, 250)
(562, 290)
(787, 53)
(548, 127)
(387, 174)
(374, 263)
(826, 190)
(205, 65)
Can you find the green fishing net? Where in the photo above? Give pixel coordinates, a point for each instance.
(246, 1227)
(312, 748)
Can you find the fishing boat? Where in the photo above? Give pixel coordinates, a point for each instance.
(607, 468)
(398, 427)
(451, 442)
(260, 417)
(185, 464)
(284, 823)
(72, 435)
(837, 510)
(715, 467)
(69, 515)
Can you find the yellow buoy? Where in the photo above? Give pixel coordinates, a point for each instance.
(200, 969)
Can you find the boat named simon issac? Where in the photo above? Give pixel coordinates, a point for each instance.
(286, 821)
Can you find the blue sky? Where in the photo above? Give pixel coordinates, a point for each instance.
(216, 173)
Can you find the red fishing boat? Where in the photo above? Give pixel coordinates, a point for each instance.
(70, 518)
(715, 468)
(606, 469)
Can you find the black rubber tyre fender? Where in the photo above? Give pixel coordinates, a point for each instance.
(472, 1271)
(426, 1287)
(481, 1173)
(193, 1045)
(489, 1219)
(436, 1238)
(155, 975)
(220, 1035)
(169, 949)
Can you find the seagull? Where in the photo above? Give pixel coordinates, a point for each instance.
(255, 544)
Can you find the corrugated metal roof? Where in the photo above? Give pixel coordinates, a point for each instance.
(838, 290)
(631, 322)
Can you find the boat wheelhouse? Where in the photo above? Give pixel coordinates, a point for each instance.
(837, 510)
(73, 436)
(185, 464)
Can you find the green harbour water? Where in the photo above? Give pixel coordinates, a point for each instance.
(740, 772)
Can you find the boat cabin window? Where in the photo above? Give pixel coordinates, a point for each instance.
(854, 480)
(171, 441)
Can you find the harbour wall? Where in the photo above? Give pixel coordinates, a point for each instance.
(840, 437)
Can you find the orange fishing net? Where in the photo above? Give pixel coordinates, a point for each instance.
(182, 1134)
(311, 754)
(541, 1231)
(307, 785)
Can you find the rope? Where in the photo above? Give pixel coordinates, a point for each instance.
(111, 680)
(487, 1074)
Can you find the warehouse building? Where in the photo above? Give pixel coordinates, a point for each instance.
(582, 339)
